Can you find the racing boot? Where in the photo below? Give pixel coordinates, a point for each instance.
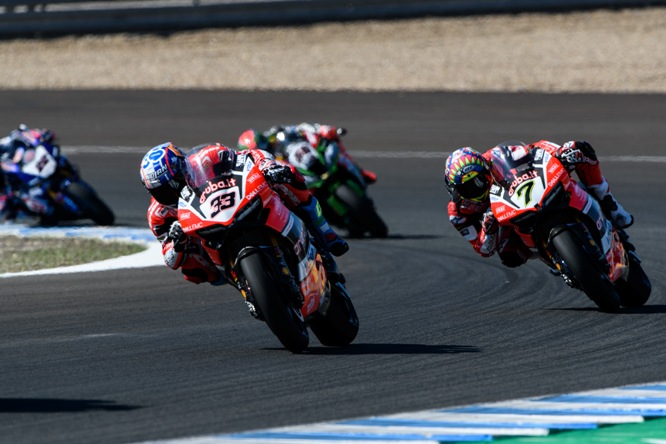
(368, 176)
(9, 207)
(325, 237)
(332, 271)
(620, 217)
(36, 202)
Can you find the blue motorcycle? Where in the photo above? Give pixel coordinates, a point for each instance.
(37, 167)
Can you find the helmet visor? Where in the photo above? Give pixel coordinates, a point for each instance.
(474, 188)
(166, 194)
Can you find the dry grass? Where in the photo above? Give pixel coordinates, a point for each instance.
(33, 253)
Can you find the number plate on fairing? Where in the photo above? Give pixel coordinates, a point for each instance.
(221, 205)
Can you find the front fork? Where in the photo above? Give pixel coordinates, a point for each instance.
(339, 207)
(587, 241)
(280, 269)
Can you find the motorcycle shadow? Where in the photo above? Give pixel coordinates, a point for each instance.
(54, 405)
(391, 349)
(398, 237)
(646, 309)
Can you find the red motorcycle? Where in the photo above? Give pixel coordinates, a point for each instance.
(266, 251)
(558, 219)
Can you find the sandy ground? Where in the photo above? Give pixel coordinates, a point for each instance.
(601, 51)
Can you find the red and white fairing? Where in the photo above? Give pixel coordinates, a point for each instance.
(220, 201)
(523, 192)
(518, 191)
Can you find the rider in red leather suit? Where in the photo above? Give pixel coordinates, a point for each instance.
(161, 175)
(469, 206)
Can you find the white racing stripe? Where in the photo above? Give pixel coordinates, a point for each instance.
(411, 430)
(627, 393)
(483, 422)
(228, 440)
(522, 419)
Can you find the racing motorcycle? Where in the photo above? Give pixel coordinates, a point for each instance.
(40, 163)
(337, 184)
(556, 218)
(266, 252)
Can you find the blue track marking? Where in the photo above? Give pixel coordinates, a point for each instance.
(359, 437)
(531, 417)
(470, 424)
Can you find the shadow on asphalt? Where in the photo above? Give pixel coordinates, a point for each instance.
(51, 405)
(392, 349)
(395, 236)
(646, 309)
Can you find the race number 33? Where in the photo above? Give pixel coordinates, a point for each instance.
(222, 202)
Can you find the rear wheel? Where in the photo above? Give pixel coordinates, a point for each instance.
(272, 301)
(589, 275)
(90, 204)
(635, 291)
(339, 326)
(362, 214)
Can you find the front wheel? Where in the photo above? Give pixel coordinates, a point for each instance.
(339, 326)
(90, 204)
(593, 281)
(361, 215)
(636, 289)
(272, 300)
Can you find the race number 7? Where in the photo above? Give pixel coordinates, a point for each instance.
(526, 189)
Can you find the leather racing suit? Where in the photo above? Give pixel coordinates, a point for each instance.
(475, 222)
(187, 254)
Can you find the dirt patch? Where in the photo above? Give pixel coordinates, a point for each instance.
(600, 51)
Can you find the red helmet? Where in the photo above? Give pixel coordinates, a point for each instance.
(329, 132)
(208, 161)
(252, 140)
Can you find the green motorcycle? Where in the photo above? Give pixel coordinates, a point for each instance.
(338, 185)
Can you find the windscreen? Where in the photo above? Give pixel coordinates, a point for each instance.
(206, 163)
(508, 162)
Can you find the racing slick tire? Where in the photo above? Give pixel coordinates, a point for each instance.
(587, 272)
(272, 301)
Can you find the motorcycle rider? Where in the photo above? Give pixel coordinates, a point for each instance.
(277, 140)
(162, 174)
(16, 149)
(468, 180)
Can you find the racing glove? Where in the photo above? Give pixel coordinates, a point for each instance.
(278, 174)
(489, 234)
(489, 224)
(177, 236)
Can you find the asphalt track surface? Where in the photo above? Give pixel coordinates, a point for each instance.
(132, 355)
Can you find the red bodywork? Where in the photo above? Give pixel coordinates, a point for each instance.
(522, 188)
(217, 201)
